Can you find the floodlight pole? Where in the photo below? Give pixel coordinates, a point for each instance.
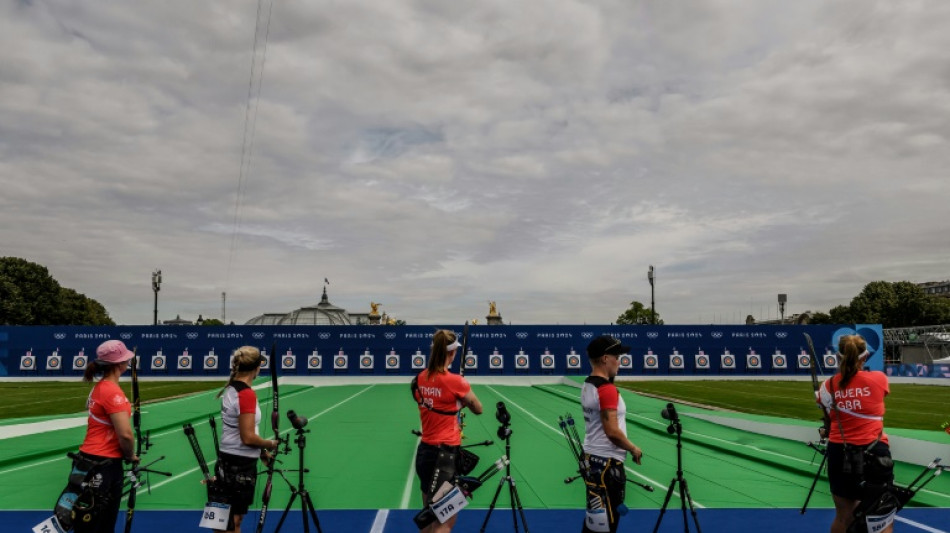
(782, 298)
(156, 286)
(652, 278)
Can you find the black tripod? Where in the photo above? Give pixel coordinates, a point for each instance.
(504, 432)
(306, 504)
(819, 448)
(676, 428)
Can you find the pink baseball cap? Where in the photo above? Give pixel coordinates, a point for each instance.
(113, 352)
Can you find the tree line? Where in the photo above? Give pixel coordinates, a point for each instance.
(892, 304)
(29, 296)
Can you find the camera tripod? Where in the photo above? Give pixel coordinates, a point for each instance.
(676, 428)
(504, 432)
(306, 504)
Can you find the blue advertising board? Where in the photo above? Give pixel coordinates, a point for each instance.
(50, 351)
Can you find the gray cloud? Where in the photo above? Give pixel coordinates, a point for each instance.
(434, 156)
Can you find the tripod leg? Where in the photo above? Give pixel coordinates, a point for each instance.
(308, 506)
(682, 483)
(286, 510)
(511, 497)
(666, 501)
(814, 482)
(516, 502)
(492, 506)
(692, 510)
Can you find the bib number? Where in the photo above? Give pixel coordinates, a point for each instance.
(879, 523)
(597, 520)
(50, 525)
(215, 516)
(449, 505)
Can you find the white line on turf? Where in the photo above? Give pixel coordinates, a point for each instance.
(919, 525)
(321, 413)
(379, 523)
(407, 491)
(558, 431)
(736, 444)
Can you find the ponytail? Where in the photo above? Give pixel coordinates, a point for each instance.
(439, 354)
(244, 359)
(850, 350)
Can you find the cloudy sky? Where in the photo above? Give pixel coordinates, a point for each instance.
(434, 155)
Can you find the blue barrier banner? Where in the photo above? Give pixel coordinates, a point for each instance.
(394, 350)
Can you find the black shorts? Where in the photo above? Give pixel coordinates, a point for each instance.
(236, 479)
(426, 457)
(848, 485)
(98, 510)
(606, 489)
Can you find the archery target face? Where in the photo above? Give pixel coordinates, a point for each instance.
(702, 361)
(315, 361)
(418, 361)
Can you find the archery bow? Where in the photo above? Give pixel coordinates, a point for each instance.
(461, 415)
(819, 448)
(275, 425)
(139, 441)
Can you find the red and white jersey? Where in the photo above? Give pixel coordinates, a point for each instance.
(860, 407)
(105, 399)
(442, 391)
(599, 394)
(238, 399)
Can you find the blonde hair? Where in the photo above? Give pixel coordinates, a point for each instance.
(851, 347)
(244, 359)
(437, 358)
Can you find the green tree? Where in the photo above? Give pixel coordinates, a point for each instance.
(841, 314)
(211, 322)
(637, 314)
(820, 318)
(29, 296)
(37, 292)
(76, 309)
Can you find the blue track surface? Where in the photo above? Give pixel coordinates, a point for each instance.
(470, 521)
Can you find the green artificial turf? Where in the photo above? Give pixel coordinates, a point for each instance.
(45, 398)
(908, 406)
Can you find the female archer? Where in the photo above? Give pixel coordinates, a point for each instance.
(440, 395)
(854, 419)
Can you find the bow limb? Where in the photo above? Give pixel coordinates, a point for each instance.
(813, 367)
(461, 415)
(275, 426)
